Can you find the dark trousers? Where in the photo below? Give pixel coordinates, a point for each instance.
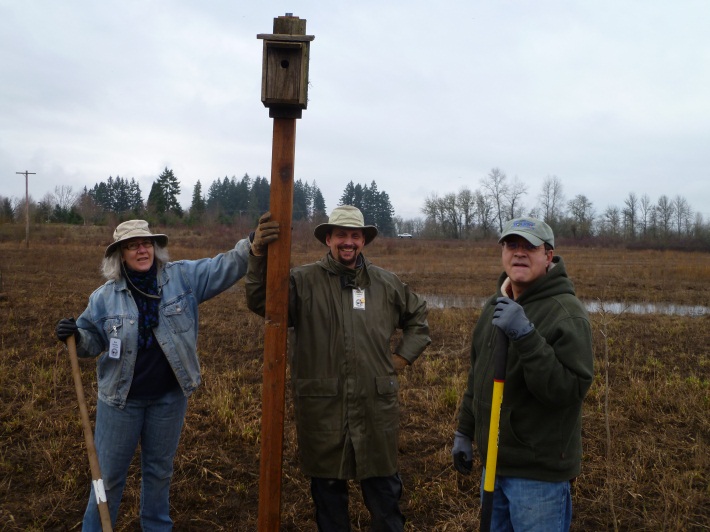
(381, 496)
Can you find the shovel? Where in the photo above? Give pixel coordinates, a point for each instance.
(500, 357)
(97, 482)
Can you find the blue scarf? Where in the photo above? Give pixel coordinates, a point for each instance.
(141, 283)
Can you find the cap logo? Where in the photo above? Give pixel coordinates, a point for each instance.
(524, 223)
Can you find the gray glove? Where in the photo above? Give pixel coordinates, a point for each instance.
(266, 232)
(66, 327)
(510, 317)
(462, 453)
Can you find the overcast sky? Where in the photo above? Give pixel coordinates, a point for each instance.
(423, 98)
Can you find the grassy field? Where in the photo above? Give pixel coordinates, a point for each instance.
(646, 424)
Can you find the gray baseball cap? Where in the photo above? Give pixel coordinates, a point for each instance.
(531, 229)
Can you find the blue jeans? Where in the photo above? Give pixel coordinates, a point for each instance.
(522, 504)
(157, 425)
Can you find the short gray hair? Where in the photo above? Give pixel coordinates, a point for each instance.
(111, 265)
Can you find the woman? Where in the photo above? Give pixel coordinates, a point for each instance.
(143, 323)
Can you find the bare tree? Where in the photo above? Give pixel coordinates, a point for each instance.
(496, 189)
(582, 214)
(683, 215)
(433, 209)
(87, 207)
(551, 200)
(646, 209)
(611, 220)
(466, 204)
(452, 221)
(630, 213)
(665, 212)
(699, 225)
(514, 205)
(485, 216)
(443, 212)
(64, 197)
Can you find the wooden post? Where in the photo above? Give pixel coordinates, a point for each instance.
(284, 85)
(276, 326)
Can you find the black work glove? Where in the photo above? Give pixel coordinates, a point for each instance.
(462, 453)
(510, 317)
(66, 327)
(265, 233)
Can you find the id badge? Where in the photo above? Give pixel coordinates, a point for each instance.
(114, 348)
(358, 299)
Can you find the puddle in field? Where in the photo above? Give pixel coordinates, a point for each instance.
(612, 307)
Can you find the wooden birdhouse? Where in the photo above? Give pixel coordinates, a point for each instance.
(284, 76)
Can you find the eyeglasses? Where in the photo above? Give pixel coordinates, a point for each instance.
(514, 246)
(133, 246)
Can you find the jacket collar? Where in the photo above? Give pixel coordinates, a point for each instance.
(358, 277)
(163, 278)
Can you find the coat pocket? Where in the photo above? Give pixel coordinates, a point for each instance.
(318, 404)
(387, 411)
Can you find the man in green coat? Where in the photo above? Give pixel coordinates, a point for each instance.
(344, 311)
(548, 372)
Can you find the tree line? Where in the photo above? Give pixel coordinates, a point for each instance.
(468, 214)
(226, 200)
(481, 213)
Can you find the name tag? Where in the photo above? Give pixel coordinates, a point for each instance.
(114, 348)
(358, 299)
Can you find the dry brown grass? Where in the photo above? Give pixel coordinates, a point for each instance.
(655, 475)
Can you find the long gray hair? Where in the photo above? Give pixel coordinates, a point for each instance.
(111, 265)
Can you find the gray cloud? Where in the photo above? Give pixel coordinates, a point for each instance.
(608, 96)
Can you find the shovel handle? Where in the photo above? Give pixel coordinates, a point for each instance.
(97, 482)
(500, 358)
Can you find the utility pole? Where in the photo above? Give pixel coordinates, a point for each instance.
(27, 206)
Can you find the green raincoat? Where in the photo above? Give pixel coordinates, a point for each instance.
(344, 383)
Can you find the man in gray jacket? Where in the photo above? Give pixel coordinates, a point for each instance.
(344, 311)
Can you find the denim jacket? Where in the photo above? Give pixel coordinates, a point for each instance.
(112, 313)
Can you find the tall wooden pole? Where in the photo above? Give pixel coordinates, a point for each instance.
(284, 91)
(27, 206)
(276, 326)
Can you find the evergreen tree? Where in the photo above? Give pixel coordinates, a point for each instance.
(120, 195)
(301, 201)
(319, 211)
(348, 197)
(217, 195)
(240, 196)
(374, 205)
(169, 191)
(117, 195)
(197, 207)
(384, 214)
(7, 213)
(156, 199)
(259, 197)
(100, 194)
(135, 199)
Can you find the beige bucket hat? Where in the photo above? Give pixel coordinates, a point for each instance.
(134, 229)
(349, 217)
